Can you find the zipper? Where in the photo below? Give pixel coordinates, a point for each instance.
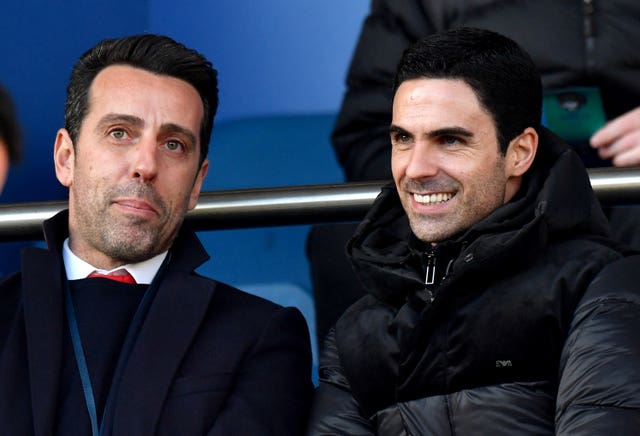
(430, 275)
(589, 31)
(431, 280)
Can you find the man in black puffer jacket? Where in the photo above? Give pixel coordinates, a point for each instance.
(474, 262)
(574, 43)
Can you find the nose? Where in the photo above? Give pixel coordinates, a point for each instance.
(145, 160)
(422, 161)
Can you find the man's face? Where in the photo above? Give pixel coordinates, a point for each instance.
(134, 172)
(445, 160)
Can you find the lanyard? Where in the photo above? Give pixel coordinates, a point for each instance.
(134, 327)
(82, 363)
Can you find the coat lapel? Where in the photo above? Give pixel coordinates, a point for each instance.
(173, 320)
(44, 323)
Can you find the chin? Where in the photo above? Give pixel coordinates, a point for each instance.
(426, 233)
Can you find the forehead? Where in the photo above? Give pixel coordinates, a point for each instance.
(128, 90)
(437, 102)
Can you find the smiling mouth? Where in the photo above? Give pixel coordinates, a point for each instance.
(435, 198)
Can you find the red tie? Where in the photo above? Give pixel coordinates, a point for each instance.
(119, 275)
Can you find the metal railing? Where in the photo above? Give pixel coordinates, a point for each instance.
(308, 204)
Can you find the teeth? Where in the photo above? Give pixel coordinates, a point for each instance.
(433, 198)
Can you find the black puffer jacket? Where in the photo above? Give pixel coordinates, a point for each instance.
(479, 351)
(573, 42)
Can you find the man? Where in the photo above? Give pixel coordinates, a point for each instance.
(474, 261)
(589, 65)
(174, 353)
(10, 136)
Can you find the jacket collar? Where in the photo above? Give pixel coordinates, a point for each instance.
(146, 376)
(555, 199)
(188, 252)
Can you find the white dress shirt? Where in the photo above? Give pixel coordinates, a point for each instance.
(143, 272)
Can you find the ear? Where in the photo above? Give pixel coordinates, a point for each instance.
(521, 153)
(4, 163)
(197, 185)
(64, 158)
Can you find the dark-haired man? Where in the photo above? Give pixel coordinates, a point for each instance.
(474, 262)
(110, 331)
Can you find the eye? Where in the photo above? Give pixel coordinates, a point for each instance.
(118, 134)
(174, 145)
(450, 140)
(403, 138)
(400, 138)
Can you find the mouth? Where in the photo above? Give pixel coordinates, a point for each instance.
(434, 198)
(136, 206)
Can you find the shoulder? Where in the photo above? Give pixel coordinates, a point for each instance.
(618, 282)
(233, 298)
(599, 384)
(607, 318)
(233, 306)
(579, 261)
(242, 326)
(10, 291)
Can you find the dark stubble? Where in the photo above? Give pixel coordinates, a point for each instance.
(129, 239)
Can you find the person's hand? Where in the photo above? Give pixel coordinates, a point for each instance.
(619, 139)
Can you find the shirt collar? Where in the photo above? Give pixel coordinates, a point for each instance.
(143, 272)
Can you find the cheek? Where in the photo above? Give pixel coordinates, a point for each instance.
(398, 165)
(490, 187)
(179, 193)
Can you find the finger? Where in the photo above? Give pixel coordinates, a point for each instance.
(629, 158)
(625, 151)
(616, 128)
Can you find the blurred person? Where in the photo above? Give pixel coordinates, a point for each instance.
(575, 43)
(619, 139)
(475, 260)
(109, 330)
(10, 136)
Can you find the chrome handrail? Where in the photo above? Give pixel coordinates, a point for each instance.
(292, 205)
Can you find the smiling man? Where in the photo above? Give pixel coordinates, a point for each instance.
(109, 330)
(474, 259)
(448, 168)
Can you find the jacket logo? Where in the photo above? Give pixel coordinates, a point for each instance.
(503, 363)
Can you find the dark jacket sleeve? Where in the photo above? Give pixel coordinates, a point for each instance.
(599, 391)
(335, 411)
(361, 134)
(273, 394)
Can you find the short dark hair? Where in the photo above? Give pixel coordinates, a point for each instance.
(154, 53)
(10, 131)
(503, 75)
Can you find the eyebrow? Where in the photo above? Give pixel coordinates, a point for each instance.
(397, 129)
(445, 131)
(139, 122)
(119, 118)
(450, 131)
(175, 128)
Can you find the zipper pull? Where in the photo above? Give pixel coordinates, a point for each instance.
(430, 276)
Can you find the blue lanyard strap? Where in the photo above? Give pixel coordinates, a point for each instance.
(82, 362)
